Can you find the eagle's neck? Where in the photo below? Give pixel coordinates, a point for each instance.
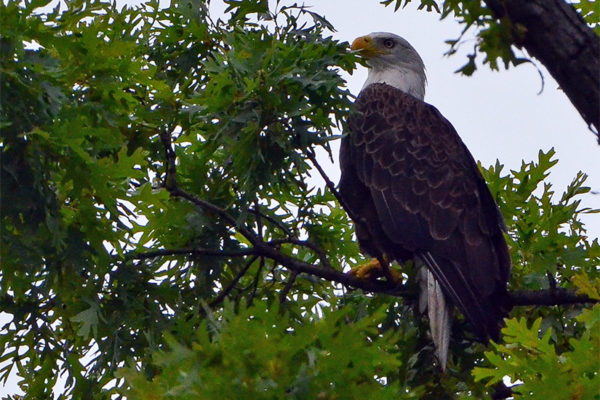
(408, 80)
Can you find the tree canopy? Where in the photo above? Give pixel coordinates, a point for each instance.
(161, 237)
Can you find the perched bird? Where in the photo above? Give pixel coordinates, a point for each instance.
(415, 193)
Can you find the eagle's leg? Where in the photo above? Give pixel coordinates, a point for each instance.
(376, 268)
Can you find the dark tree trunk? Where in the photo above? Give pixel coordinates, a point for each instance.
(553, 32)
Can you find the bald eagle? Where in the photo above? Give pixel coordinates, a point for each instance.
(416, 193)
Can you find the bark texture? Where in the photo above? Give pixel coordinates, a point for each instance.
(553, 32)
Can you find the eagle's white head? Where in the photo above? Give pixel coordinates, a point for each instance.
(392, 60)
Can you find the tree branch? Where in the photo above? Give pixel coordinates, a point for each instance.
(198, 251)
(304, 243)
(205, 205)
(170, 157)
(330, 185)
(256, 279)
(272, 220)
(217, 300)
(171, 185)
(324, 270)
(548, 297)
(287, 288)
(264, 249)
(553, 32)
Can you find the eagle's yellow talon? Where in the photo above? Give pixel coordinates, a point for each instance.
(367, 270)
(372, 270)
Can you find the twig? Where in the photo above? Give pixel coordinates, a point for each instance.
(198, 251)
(255, 281)
(217, 300)
(259, 224)
(551, 281)
(251, 236)
(386, 269)
(329, 183)
(170, 157)
(288, 287)
(273, 221)
(304, 243)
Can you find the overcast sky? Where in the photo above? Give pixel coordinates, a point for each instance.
(499, 115)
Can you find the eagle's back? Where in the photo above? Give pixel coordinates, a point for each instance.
(414, 190)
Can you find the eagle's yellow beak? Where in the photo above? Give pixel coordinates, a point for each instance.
(366, 47)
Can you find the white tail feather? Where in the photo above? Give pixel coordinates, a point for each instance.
(440, 319)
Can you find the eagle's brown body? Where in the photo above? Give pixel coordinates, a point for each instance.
(416, 193)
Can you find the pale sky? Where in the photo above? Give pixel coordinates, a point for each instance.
(499, 115)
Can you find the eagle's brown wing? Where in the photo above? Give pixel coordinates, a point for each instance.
(414, 190)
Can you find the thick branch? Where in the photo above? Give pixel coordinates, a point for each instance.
(553, 32)
(334, 275)
(263, 249)
(549, 297)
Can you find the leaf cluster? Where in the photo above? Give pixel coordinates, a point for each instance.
(541, 368)
(547, 350)
(323, 358)
(88, 91)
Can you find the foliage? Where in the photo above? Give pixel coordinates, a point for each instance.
(106, 274)
(275, 358)
(558, 352)
(543, 370)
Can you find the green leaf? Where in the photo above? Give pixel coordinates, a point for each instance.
(88, 319)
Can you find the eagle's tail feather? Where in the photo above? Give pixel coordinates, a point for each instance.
(440, 319)
(439, 309)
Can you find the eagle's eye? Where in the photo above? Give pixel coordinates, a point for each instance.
(389, 43)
